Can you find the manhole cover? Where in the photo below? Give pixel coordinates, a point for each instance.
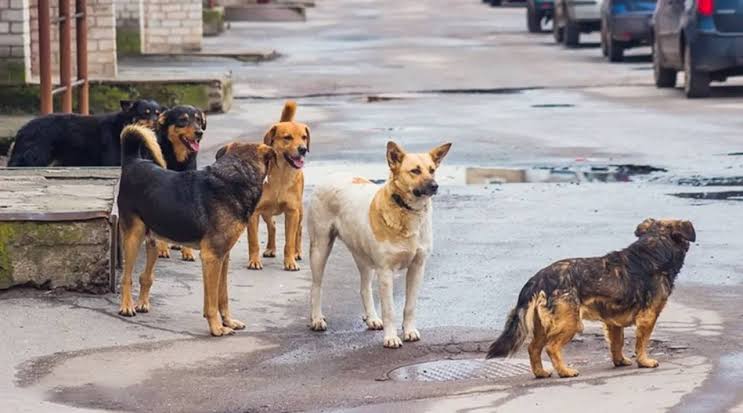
(450, 370)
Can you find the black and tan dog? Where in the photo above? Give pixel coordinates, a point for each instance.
(179, 134)
(622, 288)
(283, 192)
(78, 140)
(206, 209)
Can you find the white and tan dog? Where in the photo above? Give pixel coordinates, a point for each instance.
(387, 229)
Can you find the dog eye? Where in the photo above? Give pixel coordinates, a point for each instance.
(304, 138)
(431, 170)
(287, 138)
(415, 171)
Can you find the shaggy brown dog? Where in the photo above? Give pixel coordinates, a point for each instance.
(283, 191)
(620, 289)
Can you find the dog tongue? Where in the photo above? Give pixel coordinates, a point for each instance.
(298, 162)
(193, 145)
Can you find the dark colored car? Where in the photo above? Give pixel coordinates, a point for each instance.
(625, 24)
(538, 11)
(704, 38)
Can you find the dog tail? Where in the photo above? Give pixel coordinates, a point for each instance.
(520, 322)
(133, 137)
(290, 108)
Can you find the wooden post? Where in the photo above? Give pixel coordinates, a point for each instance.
(65, 54)
(82, 55)
(45, 57)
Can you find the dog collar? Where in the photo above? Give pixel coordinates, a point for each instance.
(401, 203)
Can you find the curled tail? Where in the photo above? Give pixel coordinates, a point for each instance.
(133, 137)
(290, 108)
(520, 322)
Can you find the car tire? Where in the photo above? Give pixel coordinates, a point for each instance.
(614, 50)
(664, 77)
(696, 83)
(571, 37)
(533, 19)
(495, 3)
(604, 49)
(557, 32)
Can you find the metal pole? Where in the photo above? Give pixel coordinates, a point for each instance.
(45, 57)
(82, 55)
(65, 54)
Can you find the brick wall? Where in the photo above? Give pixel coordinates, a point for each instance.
(14, 42)
(102, 63)
(172, 26)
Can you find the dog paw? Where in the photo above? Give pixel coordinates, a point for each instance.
(291, 265)
(187, 254)
(298, 257)
(374, 323)
(623, 362)
(411, 335)
(647, 363)
(318, 324)
(233, 324)
(542, 374)
(568, 372)
(255, 264)
(142, 307)
(392, 342)
(221, 331)
(127, 310)
(269, 253)
(163, 252)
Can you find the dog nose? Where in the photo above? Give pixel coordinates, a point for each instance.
(199, 133)
(302, 150)
(433, 187)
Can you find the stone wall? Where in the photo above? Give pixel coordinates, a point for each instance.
(172, 26)
(129, 26)
(102, 63)
(14, 42)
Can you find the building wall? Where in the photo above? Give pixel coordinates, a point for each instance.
(172, 26)
(102, 63)
(15, 53)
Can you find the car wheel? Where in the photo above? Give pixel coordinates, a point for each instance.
(572, 34)
(495, 2)
(533, 19)
(696, 83)
(614, 50)
(604, 50)
(664, 78)
(557, 32)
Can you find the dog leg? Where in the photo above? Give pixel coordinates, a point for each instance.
(212, 270)
(254, 259)
(645, 323)
(373, 322)
(224, 301)
(320, 247)
(391, 340)
(133, 233)
(413, 279)
(187, 254)
(270, 251)
(615, 337)
(298, 242)
(290, 231)
(566, 323)
(163, 249)
(147, 277)
(536, 346)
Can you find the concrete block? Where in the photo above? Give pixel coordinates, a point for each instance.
(17, 4)
(11, 15)
(4, 27)
(11, 40)
(16, 28)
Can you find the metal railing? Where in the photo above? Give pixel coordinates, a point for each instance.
(65, 56)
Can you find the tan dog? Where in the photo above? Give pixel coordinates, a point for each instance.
(387, 229)
(282, 193)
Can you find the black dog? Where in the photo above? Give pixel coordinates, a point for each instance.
(78, 140)
(207, 209)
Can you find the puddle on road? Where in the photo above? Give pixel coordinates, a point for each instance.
(721, 391)
(711, 181)
(320, 172)
(715, 196)
(553, 105)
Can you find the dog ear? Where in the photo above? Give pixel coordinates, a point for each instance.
(438, 153)
(126, 105)
(394, 155)
(684, 230)
(223, 150)
(307, 131)
(269, 136)
(203, 120)
(266, 152)
(644, 226)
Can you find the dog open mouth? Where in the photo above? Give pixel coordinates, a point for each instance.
(193, 145)
(296, 161)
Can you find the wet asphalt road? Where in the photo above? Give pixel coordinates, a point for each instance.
(447, 71)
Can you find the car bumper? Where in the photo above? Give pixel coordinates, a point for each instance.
(584, 10)
(712, 51)
(631, 27)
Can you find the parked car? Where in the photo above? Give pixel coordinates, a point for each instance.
(573, 17)
(538, 11)
(625, 24)
(704, 38)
